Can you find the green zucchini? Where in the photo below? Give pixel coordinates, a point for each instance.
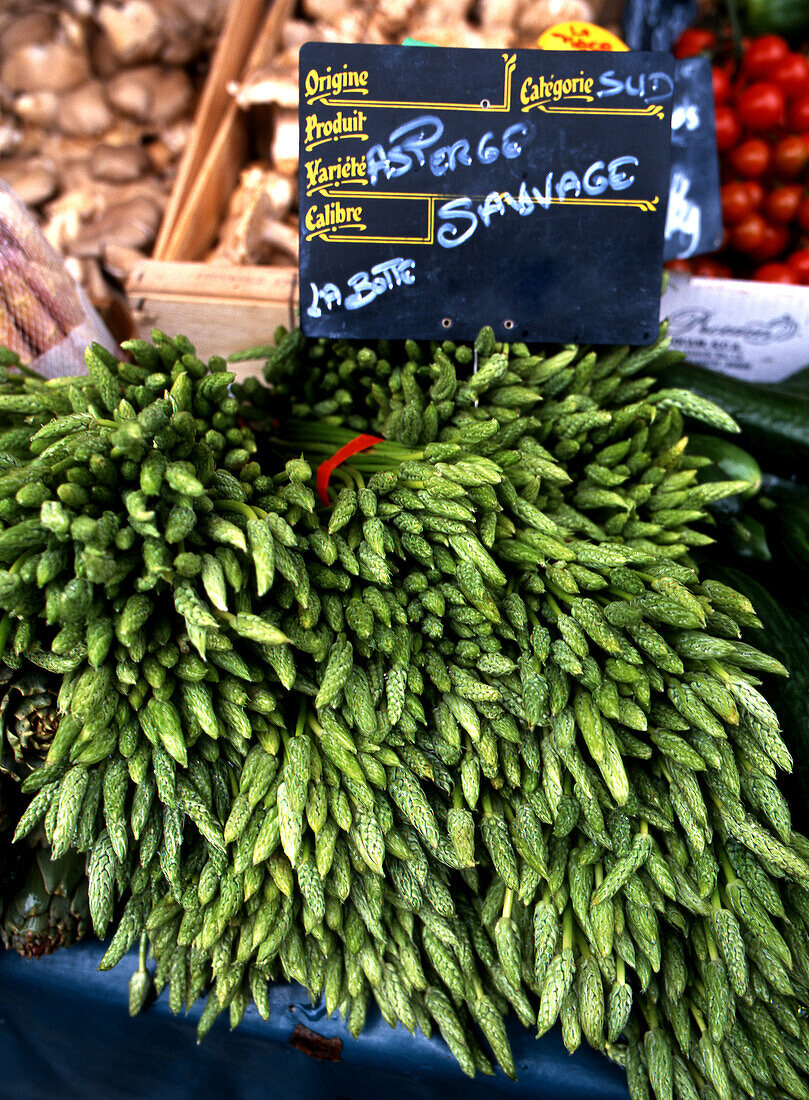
(729, 461)
(774, 423)
(785, 635)
(776, 16)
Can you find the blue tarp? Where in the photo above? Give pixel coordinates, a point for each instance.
(65, 1034)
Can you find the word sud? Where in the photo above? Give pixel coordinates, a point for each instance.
(597, 179)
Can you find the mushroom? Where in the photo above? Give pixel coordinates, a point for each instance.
(35, 27)
(10, 137)
(498, 14)
(85, 111)
(119, 163)
(34, 180)
(133, 223)
(151, 94)
(537, 15)
(285, 141)
(120, 260)
(37, 108)
(266, 86)
(44, 66)
(132, 31)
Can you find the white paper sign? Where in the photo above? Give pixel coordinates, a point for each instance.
(756, 331)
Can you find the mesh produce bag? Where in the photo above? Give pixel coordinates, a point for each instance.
(45, 316)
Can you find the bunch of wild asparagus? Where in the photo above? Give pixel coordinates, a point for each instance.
(474, 737)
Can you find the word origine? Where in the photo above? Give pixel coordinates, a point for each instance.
(320, 84)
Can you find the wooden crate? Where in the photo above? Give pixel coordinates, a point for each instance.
(221, 308)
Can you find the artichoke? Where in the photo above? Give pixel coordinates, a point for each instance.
(28, 720)
(43, 901)
(46, 906)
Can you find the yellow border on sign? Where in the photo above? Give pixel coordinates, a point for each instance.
(492, 108)
(654, 110)
(329, 233)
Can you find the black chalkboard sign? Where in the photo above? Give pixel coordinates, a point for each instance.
(694, 215)
(443, 189)
(657, 24)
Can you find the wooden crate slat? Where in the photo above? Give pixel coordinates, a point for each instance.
(237, 39)
(221, 308)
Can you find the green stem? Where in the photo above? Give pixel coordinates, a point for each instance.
(725, 864)
(567, 930)
(698, 1017)
(735, 29)
(5, 630)
(142, 952)
(239, 506)
(554, 605)
(508, 902)
(712, 951)
(29, 372)
(302, 712)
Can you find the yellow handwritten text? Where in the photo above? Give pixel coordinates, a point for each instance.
(346, 170)
(332, 214)
(539, 90)
(329, 83)
(331, 129)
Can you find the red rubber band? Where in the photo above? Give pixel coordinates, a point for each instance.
(325, 469)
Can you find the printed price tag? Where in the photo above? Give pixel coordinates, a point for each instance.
(443, 189)
(758, 331)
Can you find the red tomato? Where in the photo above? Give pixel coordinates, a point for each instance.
(781, 205)
(709, 268)
(790, 156)
(761, 107)
(728, 130)
(774, 241)
(792, 75)
(756, 193)
(751, 159)
(693, 41)
(737, 202)
(764, 54)
(799, 263)
(775, 273)
(799, 113)
(748, 234)
(803, 215)
(721, 84)
(682, 266)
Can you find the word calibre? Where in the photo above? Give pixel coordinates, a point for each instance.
(597, 179)
(365, 286)
(409, 145)
(332, 215)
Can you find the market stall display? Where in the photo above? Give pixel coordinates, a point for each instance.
(434, 682)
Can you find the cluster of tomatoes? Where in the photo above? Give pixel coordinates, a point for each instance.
(762, 132)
